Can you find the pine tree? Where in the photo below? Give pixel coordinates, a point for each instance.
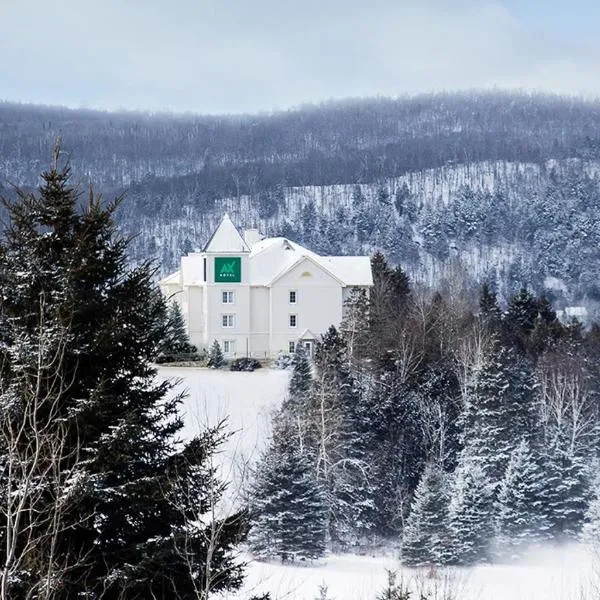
(215, 356)
(176, 339)
(565, 493)
(393, 590)
(500, 410)
(591, 528)
(470, 515)
(488, 305)
(425, 536)
(339, 432)
(301, 380)
(116, 504)
(520, 519)
(287, 503)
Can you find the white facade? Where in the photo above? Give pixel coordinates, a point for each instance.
(262, 297)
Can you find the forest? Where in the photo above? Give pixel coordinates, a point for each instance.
(499, 186)
(459, 432)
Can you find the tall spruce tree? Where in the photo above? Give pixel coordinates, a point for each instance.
(99, 498)
(287, 502)
(176, 339)
(520, 520)
(500, 410)
(470, 521)
(425, 536)
(339, 430)
(301, 380)
(215, 356)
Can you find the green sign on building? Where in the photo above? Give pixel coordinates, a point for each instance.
(228, 269)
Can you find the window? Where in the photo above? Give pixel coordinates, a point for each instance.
(228, 297)
(293, 320)
(293, 297)
(292, 347)
(229, 346)
(228, 320)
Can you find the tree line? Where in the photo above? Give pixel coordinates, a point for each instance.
(459, 430)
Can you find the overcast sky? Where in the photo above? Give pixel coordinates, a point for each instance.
(215, 56)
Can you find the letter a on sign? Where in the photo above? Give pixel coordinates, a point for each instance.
(228, 269)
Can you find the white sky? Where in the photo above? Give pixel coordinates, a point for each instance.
(215, 56)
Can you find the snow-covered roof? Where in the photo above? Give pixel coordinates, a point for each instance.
(226, 238)
(272, 257)
(352, 270)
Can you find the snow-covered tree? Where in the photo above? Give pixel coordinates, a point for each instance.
(520, 520)
(591, 527)
(338, 432)
(176, 339)
(301, 380)
(425, 536)
(470, 514)
(287, 503)
(499, 410)
(215, 356)
(565, 493)
(108, 506)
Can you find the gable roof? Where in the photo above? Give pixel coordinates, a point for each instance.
(273, 257)
(226, 238)
(299, 261)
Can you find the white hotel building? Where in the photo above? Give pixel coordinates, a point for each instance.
(261, 297)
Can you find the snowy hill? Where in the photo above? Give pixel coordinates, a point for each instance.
(493, 186)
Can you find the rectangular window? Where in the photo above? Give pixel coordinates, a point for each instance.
(227, 297)
(228, 346)
(293, 297)
(292, 347)
(293, 320)
(205, 269)
(228, 320)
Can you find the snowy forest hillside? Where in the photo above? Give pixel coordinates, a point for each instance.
(496, 186)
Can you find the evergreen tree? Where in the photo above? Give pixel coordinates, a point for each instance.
(425, 536)
(115, 504)
(339, 432)
(287, 502)
(520, 518)
(176, 339)
(215, 356)
(393, 590)
(565, 493)
(500, 410)
(301, 380)
(488, 305)
(470, 520)
(591, 527)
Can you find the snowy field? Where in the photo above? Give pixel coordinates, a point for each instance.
(565, 574)
(247, 399)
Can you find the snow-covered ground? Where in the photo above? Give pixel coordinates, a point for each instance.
(559, 574)
(247, 400)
